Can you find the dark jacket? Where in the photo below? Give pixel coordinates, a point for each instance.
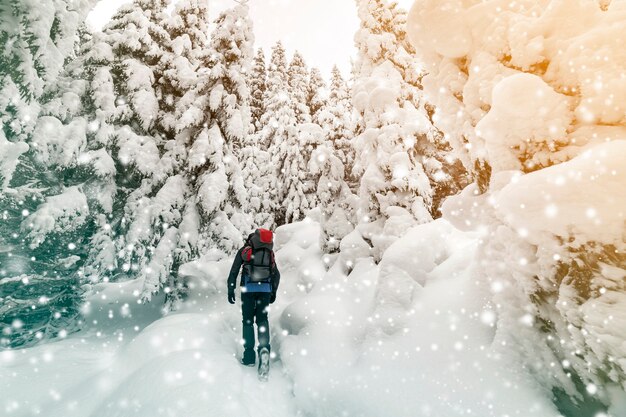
(236, 267)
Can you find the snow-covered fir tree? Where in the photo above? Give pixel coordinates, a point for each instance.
(302, 96)
(188, 31)
(195, 198)
(230, 60)
(288, 127)
(399, 156)
(43, 220)
(36, 41)
(161, 212)
(257, 82)
(336, 117)
(82, 111)
(332, 191)
(331, 164)
(317, 94)
(126, 63)
(256, 167)
(298, 80)
(279, 128)
(98, 128)
(139, 43)
(257, 173)
(276, 100)
(293, 180)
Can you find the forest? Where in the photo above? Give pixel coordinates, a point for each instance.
(450, 214)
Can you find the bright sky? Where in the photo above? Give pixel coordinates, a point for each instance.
(322, 30)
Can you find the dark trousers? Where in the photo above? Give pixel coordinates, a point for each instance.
(254, 308)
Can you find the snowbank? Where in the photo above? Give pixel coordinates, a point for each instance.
(341, 344)
(130, 361)
(407, 337)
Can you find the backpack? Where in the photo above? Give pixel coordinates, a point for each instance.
(258, 256)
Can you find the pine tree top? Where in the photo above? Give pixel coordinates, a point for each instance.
(190, 18)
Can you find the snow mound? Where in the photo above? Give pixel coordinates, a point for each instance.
(407, 337)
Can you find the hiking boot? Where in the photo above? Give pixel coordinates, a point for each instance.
(264, 364)
(249, 358)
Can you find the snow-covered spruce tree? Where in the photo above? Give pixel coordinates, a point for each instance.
(335, 154)
(36, 40)
(167, 198)
(161, 214)
(188, 30)
(298, 80)
(257, 173)
(337, 119)
(399, 152)
(317, 94)
(255, 160)
(124, 65)
(97, 131)
(75, 137)
(140, 44)
(198, 194)
(301, 188)
(39, 294)
(230, 60)
(279, 130)
(257, 81)
(332, 191)
(159, 229)
(276, 99)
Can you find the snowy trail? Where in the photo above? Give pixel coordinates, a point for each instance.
(181, 364)
(338, 354)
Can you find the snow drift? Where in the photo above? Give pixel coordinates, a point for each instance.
(386, 339)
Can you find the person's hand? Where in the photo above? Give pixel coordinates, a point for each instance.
(231, 296)
(272, 297)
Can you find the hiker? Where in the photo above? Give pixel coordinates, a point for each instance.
(259, 283)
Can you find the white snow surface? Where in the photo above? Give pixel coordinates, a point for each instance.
(386, 340)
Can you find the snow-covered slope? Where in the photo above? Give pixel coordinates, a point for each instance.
(132, 362)
(411, 336)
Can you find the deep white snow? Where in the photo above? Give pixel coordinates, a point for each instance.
(518, 290)
(409, 337)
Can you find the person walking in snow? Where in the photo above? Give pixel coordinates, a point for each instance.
(259, 283)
